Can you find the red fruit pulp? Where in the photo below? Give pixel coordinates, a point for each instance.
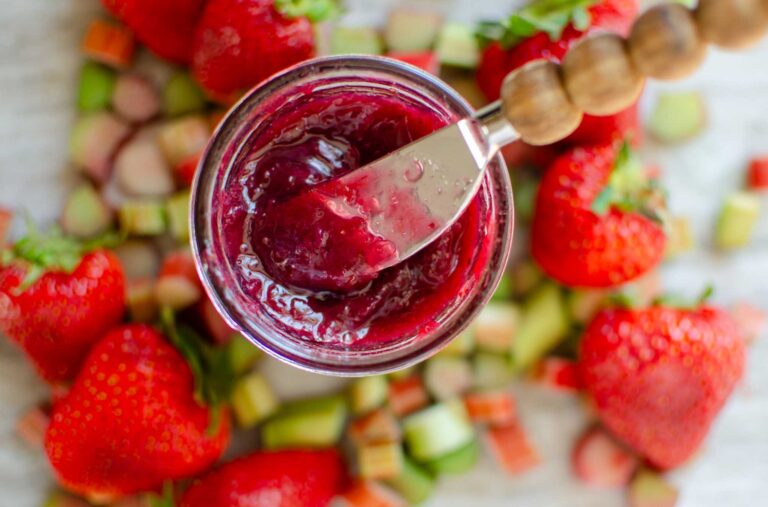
(299, 280)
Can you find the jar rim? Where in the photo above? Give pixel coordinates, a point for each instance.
(230, 137)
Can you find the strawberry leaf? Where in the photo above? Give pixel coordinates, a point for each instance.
(313, 10)
(547, 16)
(166, 499)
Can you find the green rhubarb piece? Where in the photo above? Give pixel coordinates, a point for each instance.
(457, 462)
(314, 423)
(458, 46)
(446, 377)
(737, 220)
(368, 393)
(380, 460)
(356, 40)
(411, 31)
(437, 430)
(253, 400)
(544, 324)
(490, 370)
(182, 95)
(243, 355)
(677, 116)
(584, 304)
(177, 207)
(414, 483)
(496, 326)
(462, 345)
(402, 374)
(85, 213)
(97, 84)
(143, 218)
(649, 489)
(680, 237)
(504, 290)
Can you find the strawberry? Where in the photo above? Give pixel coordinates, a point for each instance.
(547, 29)
(132, 419)
(271, 479)
(659, 376)
(239, 43)
(167, 27)
(596, 219)
(57, 299)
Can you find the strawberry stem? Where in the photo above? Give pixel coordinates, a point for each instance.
(313, 10)
(548, 16)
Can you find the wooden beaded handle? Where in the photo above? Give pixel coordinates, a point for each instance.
(604, 74)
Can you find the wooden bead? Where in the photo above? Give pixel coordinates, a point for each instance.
(665, 42)
(600, 76)
(732, 24)
(537, 105)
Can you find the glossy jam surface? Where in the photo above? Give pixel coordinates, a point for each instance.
(291, 254)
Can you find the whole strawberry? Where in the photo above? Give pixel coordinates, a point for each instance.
(547, 29)
(132, 419)
(596, 221)
(659, 376)
(166, 27)
(239, 43)
(271, 479)
(57, 300)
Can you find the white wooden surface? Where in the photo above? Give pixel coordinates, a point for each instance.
(38, 64)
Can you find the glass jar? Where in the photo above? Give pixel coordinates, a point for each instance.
(247, 314)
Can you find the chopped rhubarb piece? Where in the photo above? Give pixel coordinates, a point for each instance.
(182, 95)
(177, 207)
(135, 98)
(355, 40)
(457, 462)
(253, 400)
(600, 461)
(425, 60)
(543, 325)
(243, 355)
(314, 423)
(750, 319)
(380, 460)
(407, 395)
(678, 117)
(457, 46)
(584, 304)
(217, 327)
(446, 377)
(437, 430)
(737, 221)
(184, 138)
(496, 408)
(94, 141)
(557, 373)
(141, 301)
(186, 169)
(6, 222)
(368, 393)
(757, 174)
(109, 43)
(495, 327)
(511, 448)
(412, 30)
(32, 425)
(178, 285)
(370, 494)
(680, 237)
(97, 84)
(649, 489)
(377, 426)
(140, 259)
(491, 370)
(85, 213)
(414, 484)
(141, 169)
(142, 218)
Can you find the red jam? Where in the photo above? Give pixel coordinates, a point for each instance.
(301, 280)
